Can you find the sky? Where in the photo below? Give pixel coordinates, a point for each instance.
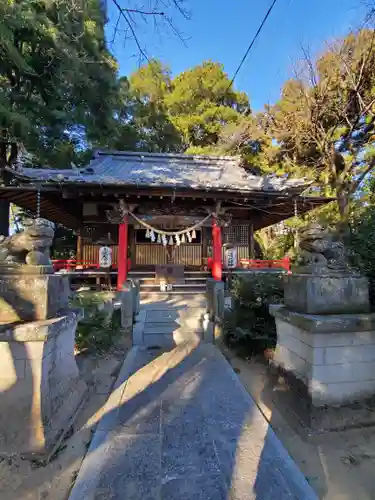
(221, 31)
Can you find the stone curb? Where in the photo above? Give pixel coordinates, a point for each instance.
(88, 477)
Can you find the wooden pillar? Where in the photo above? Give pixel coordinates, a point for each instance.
(251, 242)
(79, 253)
(204, 245)
(122, 255)
(132, 249)
(217, 265)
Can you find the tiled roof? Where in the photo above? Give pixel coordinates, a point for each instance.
(165, 170)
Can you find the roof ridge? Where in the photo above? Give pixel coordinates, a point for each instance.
(182, 156)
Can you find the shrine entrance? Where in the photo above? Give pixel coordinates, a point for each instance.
(148, 253)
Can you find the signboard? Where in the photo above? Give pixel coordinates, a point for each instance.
(230, 257)
(105, 257)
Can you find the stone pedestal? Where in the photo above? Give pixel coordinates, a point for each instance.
(333, 293)
(41, 389)
(334, 355)
(31, 296)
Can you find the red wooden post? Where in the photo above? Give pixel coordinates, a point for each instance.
(217, 266)
(122, 256)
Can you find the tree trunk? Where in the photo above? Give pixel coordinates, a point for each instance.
(4, 180)
(343, 205)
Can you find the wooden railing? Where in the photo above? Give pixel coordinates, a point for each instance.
(72, 264)
(266, 264)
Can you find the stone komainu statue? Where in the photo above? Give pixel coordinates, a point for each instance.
(319, 251)
(31, 246)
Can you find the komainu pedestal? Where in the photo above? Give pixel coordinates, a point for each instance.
(326, 337)
(40, 387)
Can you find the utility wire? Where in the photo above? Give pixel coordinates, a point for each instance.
(251, 44)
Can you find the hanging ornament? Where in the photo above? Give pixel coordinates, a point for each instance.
(171, 240)
(189, 237)
(183, 239)
(148, 235)
(159, 238)
(152, 235)
(164, 240)
(193, 234)
(178, 241)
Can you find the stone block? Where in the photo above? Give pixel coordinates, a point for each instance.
(290, 361)
(295, 343)
(215, 298)
(30, 297)
(350, 354)
(46, 389)
(321, 294)
(127, 311)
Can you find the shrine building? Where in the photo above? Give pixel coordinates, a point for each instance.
(154, 209)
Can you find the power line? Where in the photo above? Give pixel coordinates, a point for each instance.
(252, 43)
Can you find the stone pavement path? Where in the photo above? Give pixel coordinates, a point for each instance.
(180, 425)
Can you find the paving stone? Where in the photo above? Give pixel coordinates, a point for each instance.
(160, 328)
(168, 315)
(132, 469)
(207, 487)
(140, 415)
(186, 444)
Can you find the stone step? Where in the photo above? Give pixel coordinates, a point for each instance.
(159, 294)
(151, 279)
(201, 287)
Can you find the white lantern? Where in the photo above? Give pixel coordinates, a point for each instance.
(230, 257)
(105, 257)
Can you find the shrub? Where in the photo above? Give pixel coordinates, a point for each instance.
(361, 247)
(97, 333)
(249, 328)
(98, 330)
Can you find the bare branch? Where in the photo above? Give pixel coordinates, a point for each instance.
(354, 186)
(144, 13)
(131, 13)
(128, 22)
(116, 29)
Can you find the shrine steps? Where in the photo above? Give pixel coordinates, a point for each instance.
(194, 283)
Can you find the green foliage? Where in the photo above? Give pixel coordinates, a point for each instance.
(201, 104)
(143, 121)
(186, 113)
(55, 69)
(361, 245)
(97, 331)
(249, 328)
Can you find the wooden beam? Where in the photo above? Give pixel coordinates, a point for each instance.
(251, 241)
